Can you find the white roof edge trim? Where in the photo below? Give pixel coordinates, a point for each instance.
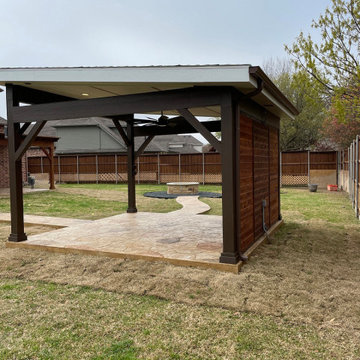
(278, 104)
(221, 74)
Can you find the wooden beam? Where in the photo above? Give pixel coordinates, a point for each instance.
(15, 172)
(24, 127)
(196, 124)
(29, 139)
(120, 105)
(144, 145)
(27, 95)
(131, 168)
(230, 193)
(121, 132)
(175, 127)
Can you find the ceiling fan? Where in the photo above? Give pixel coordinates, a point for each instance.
(162, 121)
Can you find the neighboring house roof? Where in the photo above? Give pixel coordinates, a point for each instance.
(160, 144)
(2, 121)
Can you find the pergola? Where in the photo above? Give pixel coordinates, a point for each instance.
(118, 93)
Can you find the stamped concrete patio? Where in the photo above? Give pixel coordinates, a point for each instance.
(181, 237)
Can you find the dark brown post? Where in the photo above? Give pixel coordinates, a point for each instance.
(15, 172)
(131, 166)
(230, 252)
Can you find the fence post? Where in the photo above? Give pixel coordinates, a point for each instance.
(158, 163)
(179, 167)
(116, 169)
(351, 174)
(138, 169)
(357, 176)
(308, 167)
(77, 169)
(280, 167)
(337, 168)
(59, 169)
(349, 170)
(343, 168)
(203, 168)
(97, 169)
(41, 165)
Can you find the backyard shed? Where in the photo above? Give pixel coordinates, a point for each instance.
(246, 103)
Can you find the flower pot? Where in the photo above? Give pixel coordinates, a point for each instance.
(312, 187)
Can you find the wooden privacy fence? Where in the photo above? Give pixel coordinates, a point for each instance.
(349, 173)
(297, 168)
(204, 168)
(301, 168)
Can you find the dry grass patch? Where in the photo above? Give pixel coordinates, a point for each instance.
(298, 297)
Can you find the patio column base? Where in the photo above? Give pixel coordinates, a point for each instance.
(131, 210)
(17, 237)
(229, 258)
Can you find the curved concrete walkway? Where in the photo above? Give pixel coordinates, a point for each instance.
(191, 205)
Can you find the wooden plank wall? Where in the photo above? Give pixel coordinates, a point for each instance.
(246, 215)
(261, 175)
(259, 179)
(274, 176)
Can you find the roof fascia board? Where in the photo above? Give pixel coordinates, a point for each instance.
(187, 74)
(277, 103)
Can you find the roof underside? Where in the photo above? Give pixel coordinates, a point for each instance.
(98, 82)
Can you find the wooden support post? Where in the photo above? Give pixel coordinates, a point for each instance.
(15, 170)
(131, 166)
(50, 155)
(230, 252)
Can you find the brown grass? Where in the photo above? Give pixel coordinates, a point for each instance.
(308, 274)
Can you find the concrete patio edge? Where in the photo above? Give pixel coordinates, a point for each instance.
(233, 268)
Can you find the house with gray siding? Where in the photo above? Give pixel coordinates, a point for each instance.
(99, 136)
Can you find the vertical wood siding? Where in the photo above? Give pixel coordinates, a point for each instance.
(246, 175)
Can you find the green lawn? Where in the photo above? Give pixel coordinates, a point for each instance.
(92, 201)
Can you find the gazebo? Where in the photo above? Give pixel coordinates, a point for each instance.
(247, 105)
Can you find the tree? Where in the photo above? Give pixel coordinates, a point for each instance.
(333, 62)
(303, 132)
(334, 65)
(339, 132)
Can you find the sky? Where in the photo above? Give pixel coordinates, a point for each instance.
(152, 32)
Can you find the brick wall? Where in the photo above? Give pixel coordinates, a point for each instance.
(4, 167)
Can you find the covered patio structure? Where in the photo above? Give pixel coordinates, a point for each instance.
(245, 102)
